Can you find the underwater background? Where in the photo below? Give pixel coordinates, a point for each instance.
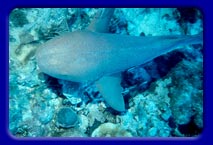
(163, 98)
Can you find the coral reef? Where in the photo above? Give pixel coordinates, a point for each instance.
(163, 97)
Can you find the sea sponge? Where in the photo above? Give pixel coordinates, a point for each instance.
(67, 118)
(110, 130)
(18, 17)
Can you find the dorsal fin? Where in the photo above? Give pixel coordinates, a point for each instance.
(100, 23)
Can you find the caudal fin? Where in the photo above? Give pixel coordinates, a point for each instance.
(193, 39)
(197, 39)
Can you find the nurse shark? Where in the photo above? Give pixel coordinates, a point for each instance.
(93, 55)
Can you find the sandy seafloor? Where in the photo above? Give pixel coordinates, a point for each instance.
(163, 98)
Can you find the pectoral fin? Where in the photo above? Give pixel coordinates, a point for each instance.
(111, 90)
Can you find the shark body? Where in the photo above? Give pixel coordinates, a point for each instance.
(88, 56)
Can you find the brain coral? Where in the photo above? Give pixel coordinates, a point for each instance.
(110, 130)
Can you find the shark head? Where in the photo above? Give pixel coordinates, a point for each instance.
(65, 59)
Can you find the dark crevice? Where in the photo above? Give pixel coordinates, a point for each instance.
(190, 129)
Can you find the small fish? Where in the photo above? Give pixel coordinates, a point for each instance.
(92, 55)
